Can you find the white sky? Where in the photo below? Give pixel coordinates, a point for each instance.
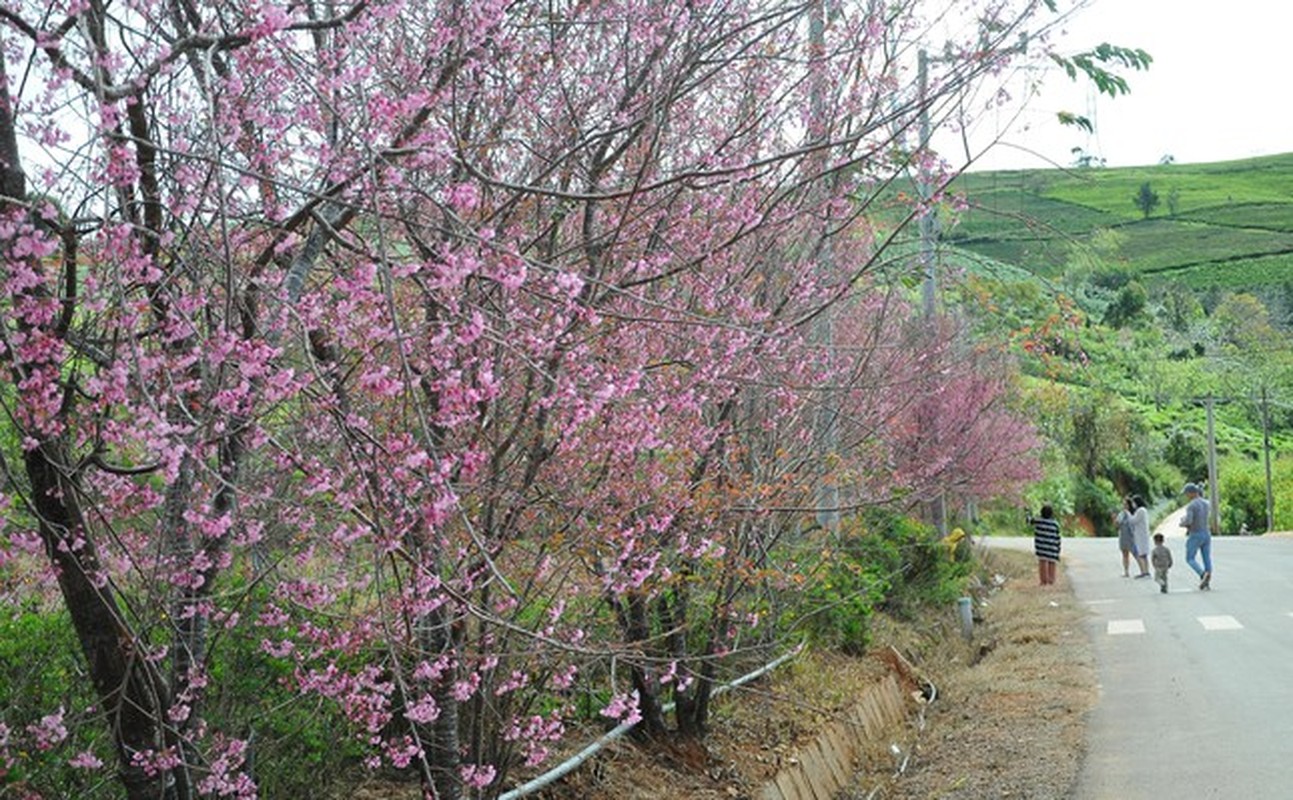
(1217, 89)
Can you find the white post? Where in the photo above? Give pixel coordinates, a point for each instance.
(965, 607)
(1215, 516)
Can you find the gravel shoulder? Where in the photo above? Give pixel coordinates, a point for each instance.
(1009, 717)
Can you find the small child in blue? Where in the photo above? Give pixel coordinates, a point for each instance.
(1161, 558)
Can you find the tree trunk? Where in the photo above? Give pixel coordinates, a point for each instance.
(638, 634)
(435, 636)
(131, 691)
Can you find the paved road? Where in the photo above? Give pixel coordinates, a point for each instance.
(1196, 688)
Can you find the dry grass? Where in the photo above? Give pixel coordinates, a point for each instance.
(1011, 709)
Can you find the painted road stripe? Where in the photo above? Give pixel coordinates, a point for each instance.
(1121, 626)
(1223, 622)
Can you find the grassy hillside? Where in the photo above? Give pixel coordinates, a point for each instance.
(1117, 388)
(1227, 224)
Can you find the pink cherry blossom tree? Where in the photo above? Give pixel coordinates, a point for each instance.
(458, 353)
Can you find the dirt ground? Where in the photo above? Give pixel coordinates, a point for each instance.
(1009, 719)
(1006, 719)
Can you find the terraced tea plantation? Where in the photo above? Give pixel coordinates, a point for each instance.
(1226, 225)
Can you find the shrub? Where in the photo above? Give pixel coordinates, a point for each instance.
(1186, 450)
(302, 747)
(1096, 500)
(1165, 482)
(842, 588)
(1132, 475)
(1004, 519)
(41, 672)
(877, 560)
(1242, 490)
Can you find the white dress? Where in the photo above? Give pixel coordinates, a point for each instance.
(1140, 531)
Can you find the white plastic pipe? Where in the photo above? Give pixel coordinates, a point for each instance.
(571, 764)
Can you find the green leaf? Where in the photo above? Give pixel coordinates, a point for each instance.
(1091, 63)
(1076, 120)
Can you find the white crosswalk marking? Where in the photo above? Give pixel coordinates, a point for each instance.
(1121, 626)
(1223, 622)
(1219, 622)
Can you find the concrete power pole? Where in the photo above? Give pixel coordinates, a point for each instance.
(928, 221)
(1214, 516)
(928, 252)
(827, 433)
(929, 226)
(1266, 456)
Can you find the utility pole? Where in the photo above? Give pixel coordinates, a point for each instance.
(1266, 456)
(823, 333)
(928, 220)
(1214, 515)
(928, 253)
(925, 189)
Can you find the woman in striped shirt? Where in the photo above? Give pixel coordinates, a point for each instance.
(1046, 544)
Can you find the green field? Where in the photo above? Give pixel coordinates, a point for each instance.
(1225, 224)
(1243, 273)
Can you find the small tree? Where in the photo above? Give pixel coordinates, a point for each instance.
(1146, 199)
(1128, 304)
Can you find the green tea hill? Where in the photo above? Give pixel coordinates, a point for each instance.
(1227, 225)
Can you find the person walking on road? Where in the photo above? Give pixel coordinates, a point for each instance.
(1126, 540)
(1140, 534)
(1162, 559)
(1046, 544)
(1198, 535)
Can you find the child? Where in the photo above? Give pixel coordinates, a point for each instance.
(1162, 561)
(1046, 544)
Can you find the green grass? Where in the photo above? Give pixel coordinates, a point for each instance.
(1263, 180)
(1040, 257)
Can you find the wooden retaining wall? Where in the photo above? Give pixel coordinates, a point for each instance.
(822, 769)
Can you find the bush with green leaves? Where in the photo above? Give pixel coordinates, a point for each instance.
(1097, 500)
(1131, 474)
(1187, 451)
(301, 747)
(840, 592)
(299, 743)
(1242, 491)
(878, 560)
(46, 700)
